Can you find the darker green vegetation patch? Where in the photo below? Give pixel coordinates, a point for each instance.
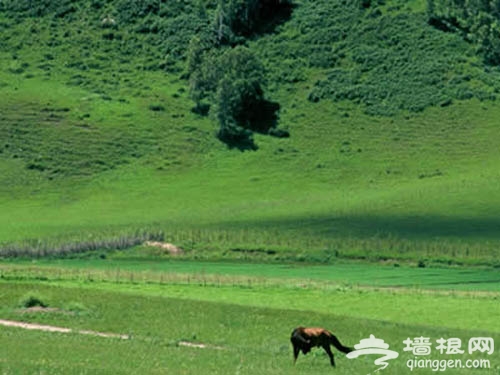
(227, 79)
(156, 107)
(32, 300)
(230, 83)
(39, 8)
(476, 21)
(386, 58)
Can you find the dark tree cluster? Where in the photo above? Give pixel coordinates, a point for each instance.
(236, 19)
(231, 85)
(227, 79)
(477, 20)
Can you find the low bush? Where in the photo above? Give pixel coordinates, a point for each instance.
(156, 107)
(32, 300)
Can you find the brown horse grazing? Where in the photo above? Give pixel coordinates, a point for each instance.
(306, 338)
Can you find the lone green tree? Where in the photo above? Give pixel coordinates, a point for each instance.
(239, 94)
(231, 85)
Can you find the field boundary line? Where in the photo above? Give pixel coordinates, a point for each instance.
(144, 277)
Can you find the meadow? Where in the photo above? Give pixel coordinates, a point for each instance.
(377, 215)
(242, 312)
(251, 322)
(140, 265)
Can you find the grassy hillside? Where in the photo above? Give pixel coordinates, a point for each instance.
(393, 149)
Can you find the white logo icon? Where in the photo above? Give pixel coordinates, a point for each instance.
(374, 346)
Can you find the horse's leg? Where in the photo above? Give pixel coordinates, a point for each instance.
(296, 351)
(330, 354)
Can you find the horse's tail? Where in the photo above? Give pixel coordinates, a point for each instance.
(335, 342)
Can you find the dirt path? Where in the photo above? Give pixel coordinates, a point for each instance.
(47, 328)
(198, 345)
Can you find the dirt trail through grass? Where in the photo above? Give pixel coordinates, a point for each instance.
(48, 328)
(199, 345)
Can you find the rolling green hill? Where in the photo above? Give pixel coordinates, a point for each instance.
(393, 149)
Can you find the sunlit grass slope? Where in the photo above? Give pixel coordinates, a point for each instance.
(97, 141)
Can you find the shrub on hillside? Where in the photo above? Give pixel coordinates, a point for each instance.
(32, 300)
(394, 63)
(156, 107)
(476, 21)
(39, 8)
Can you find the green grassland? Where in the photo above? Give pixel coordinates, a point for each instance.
(141, 265)
(253, 337)
(161, 302)
(347, 289)
(378, 215)
(98, 141)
